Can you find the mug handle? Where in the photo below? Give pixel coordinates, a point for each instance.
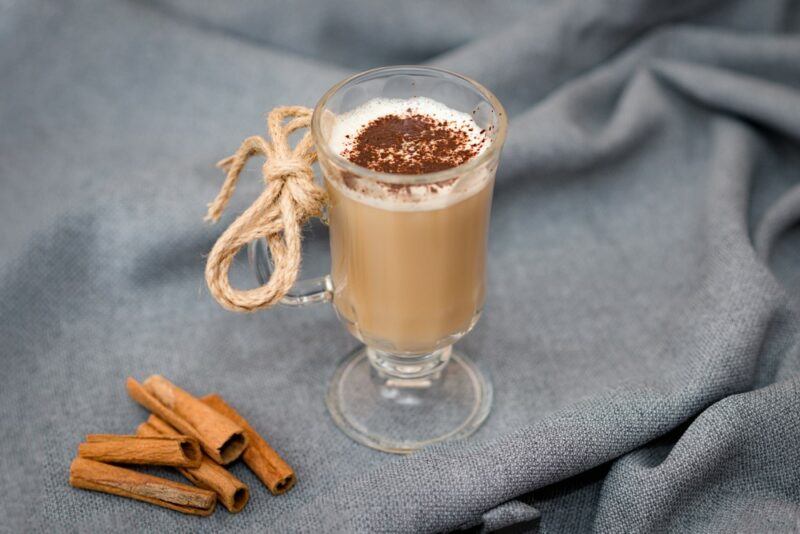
(303, 292)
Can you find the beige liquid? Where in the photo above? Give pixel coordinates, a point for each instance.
(409, 281)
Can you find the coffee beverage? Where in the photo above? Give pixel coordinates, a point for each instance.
(409, 255)
(408, 155)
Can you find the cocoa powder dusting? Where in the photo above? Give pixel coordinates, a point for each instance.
(411, 144)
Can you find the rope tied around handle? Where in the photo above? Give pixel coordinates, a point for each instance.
(290, 198)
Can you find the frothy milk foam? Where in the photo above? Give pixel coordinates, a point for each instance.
(350, 123)
(347, 126)
(408, 261)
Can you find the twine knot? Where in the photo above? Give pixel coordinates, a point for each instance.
(289, 199)
(286, 169)
(298, 182)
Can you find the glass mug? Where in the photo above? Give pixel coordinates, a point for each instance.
(408, 260)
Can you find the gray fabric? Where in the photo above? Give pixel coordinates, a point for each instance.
(642, 321)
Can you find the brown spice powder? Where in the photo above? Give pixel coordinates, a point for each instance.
(411, 144)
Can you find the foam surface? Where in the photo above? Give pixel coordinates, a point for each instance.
(348, 125)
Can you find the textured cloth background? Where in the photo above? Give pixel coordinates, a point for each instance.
(642, 323)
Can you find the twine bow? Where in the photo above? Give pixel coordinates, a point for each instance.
(289, 199)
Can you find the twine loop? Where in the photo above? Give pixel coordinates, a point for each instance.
(289, 199)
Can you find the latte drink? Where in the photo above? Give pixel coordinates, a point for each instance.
(409, 257)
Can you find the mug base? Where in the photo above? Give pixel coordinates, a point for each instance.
(402, 415)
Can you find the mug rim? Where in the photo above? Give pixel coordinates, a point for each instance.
(432, 177)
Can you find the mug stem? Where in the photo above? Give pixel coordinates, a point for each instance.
(402, 370)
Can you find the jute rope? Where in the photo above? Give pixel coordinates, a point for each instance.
(289, 199)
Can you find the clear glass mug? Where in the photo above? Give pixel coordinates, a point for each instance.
(408, 260)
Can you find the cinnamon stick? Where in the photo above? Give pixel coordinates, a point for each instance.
(231, 492)
(179, 451)
(97, 476)
(262, 459)
(222, 439)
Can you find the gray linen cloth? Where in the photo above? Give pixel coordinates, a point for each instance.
(642, 321)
